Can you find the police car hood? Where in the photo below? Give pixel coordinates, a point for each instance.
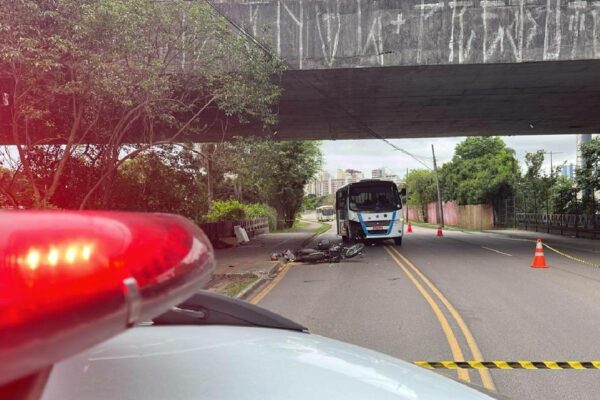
(225, 362)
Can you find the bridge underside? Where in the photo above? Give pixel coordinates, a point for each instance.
(428, 101)
(431, 101)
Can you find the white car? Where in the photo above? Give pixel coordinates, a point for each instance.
(79, 278)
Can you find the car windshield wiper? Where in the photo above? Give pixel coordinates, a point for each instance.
(208, 308)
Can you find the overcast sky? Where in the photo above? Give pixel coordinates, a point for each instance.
(365, 155)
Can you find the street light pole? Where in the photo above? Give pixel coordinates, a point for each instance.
(551, 164)
(440, 213)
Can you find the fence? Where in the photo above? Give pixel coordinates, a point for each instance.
(222, 229)
(583, 225)
(477, 216)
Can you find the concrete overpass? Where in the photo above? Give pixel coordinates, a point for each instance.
(408, 68)
(415, 68)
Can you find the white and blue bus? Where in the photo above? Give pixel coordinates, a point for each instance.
(325, 213)
(370, 209)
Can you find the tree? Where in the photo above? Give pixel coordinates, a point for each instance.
(483, 170)
(421, 189)
(564, 196)
(536, 185)
(111, 71)
(270, 172)
(166, 180)
(588, 175)
(311, 201)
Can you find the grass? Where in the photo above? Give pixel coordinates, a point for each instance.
(234, 287)
(297, 226)
(324, 227)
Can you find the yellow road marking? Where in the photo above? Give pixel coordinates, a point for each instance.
(265, 291)
(452, 341)
(486, 377)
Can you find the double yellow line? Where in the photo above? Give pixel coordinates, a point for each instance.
(413, 272)
(265, 291)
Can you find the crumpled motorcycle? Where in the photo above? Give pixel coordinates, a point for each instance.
(326, 252)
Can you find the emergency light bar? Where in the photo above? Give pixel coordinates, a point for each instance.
(69, 280)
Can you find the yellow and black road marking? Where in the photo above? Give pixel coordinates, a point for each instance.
(570, 257)
(509, 364)
(416, 276)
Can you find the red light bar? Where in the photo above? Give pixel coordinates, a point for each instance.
(69, 280)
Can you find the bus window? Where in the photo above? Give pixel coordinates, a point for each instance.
(374, 198)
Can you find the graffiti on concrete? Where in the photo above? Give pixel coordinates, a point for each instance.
(354, 33)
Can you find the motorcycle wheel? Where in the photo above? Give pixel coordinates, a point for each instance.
(354, 250)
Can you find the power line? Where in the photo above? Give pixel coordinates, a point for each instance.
(325, 95)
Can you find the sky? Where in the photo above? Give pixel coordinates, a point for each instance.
(366, 155)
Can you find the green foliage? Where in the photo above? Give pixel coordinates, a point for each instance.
(421, 189)
(564, 196)
(311, 201)
(226, 210)
(272, 173)
(482, 170)
(233, 210)
(112, 70)
(537, 187)
(257, 210)
(588, 176)
(160, 182)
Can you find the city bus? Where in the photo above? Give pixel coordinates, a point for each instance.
(325, 213)
(370, 209)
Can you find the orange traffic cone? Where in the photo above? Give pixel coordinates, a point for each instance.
(539, 261)
(439, 231)
(409, 230)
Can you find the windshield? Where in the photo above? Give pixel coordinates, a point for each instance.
(374, 198)
(326, 211)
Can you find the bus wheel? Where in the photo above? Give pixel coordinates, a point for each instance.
(398, 241)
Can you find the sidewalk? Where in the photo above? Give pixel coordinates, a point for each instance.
(254, 258)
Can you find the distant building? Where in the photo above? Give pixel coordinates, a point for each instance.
(324, 184)
(384, 174)
(568, 170)
(336, 183)
(378, 173)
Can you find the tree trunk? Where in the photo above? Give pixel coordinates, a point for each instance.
(209, 150)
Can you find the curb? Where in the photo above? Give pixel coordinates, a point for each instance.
(264, 276)
(259, 281)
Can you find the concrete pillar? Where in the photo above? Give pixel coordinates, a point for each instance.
(581, 139)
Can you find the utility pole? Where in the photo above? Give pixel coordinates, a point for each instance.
(551, 194)
(551, 163)
(406, 185)
(440, 213)
(208, 151)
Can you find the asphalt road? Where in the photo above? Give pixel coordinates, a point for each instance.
(480, 280)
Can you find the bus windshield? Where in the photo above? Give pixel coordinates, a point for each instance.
(378, 197)
(326, 211)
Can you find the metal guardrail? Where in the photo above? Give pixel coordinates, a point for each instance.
(222, 229)
(584, 225)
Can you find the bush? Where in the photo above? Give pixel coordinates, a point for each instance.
(257, 210)
(233, 210)
(226, 210)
